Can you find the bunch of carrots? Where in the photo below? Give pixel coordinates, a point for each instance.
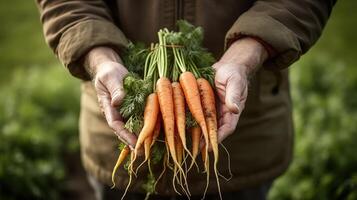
(172, 93)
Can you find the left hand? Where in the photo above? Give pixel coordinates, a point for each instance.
(233, 70)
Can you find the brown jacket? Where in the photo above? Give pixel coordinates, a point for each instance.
(261, 148)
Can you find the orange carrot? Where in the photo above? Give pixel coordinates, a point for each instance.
(209, 109)
(179, 150)
(123, 154)
(195, 138)
(156, 130)
(210, 113)
(180, 157)
(147, 146)
(180, 114)
(164, 91)
(190, 88)
(150, 117)
(149, 142)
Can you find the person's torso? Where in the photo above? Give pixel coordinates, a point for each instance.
(262, 143)
(140, 20)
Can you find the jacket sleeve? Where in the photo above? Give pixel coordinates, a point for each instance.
(290, 27)
(73, 27)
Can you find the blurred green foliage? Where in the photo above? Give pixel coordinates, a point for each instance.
(39, 106)
(38, 121)
(22, 43)
(324, 97)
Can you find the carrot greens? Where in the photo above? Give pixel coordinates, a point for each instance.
(178, 60)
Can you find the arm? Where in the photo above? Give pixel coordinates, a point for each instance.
(289, 27)
(86, 40)
(73, 27)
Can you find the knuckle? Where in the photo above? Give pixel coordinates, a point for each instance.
(111, 125)
(118, 92)
(121, 132)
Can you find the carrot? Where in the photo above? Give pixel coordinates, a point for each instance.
(123, 154)
(180, 114)
(156, 130)
(164, 91)
(182, 160)
(149, 142)
(190, 88)
(164, 164)
(150, 117)
(195, 138)
(147, 146)
(210, 113)
(130, 171)
(179, 152)
(203, 154)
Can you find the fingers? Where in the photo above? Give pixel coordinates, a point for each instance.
(115, 87)
(226, 126)
(117, 96)
(111, 76)
(123, 134)
(227, 123)
(231, 85)
(115, 121)
(234, 93)
(108, 83)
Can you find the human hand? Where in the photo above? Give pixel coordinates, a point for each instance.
(232, 73)
(103, 65)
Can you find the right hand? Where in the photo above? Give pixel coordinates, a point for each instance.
(103, 64)
(239, 62)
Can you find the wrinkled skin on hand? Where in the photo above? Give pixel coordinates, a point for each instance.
(103, 64)
(233, 70)
(232, 90)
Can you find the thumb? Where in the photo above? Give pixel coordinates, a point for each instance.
(114, 84)
(117, 95)
(234, 91)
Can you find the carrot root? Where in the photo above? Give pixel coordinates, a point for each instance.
(210, 113)
(195, 137)
(192, 95)
(165, 97)
(123, 154)
(130, 177)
